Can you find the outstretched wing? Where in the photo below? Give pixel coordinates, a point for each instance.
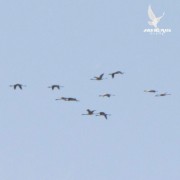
(151, 13)
(105, 115)
(101, 76)
(159, 18)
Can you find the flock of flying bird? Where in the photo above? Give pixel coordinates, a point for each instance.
(97, 78)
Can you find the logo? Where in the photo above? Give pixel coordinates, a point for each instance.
(154, 23)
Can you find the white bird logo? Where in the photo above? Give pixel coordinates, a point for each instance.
(154, 20)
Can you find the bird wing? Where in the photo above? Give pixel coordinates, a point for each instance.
(159, 18)
(101, 75)
(151, 13)
(108, 95)
(119, 72)
(19, 85)
(105, 115)
(57, 86)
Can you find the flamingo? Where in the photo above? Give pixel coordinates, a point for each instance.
(98, 78)
(162, 94)
(89, 112)
(107, 95)
(151, 91)
(67, 99)
(17, 85)
(103, 114)
(114, 73)
(55, 86)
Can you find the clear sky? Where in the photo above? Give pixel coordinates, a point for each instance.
(67, 42)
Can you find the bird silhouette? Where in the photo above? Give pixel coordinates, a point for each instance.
(162, 94)
(154, 20)
(89, 112)
(151, 91)
(103, 114)
(67, 99)
(20, 86)
(55, 86)
(98, 78)
(106, 95)
(115, 73)
(72, 99)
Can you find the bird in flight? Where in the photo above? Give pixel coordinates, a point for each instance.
(89, 112)
(67, 99)
(114, 73)
(55, 86)
(162, 94)
(103, 114)
(72, 99)
(20, 86)
(106, 95)
(154, 20)
(150, 91)
(99, 77)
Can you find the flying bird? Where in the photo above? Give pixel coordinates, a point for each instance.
(106, 95)
(72, 99)
(67, 99)
(154, 20)
(103, 114)
(162, 94)
(20, 86)
(99, 77)
(114, 73)
(89, 112)
(55, 86)
(151, 91)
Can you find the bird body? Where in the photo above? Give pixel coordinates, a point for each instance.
(115, 73)
(103, 114)
(89, 112)
(162, 94)
(55, 86)
(150, 91)
(72, 99)
(107, 95)
(67, 99)
(98, 78)
(17, 85)
(154, 20)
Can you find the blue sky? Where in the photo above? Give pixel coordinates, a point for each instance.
(43, 42)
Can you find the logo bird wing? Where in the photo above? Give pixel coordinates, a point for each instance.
(151, 13)
(159, 18)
